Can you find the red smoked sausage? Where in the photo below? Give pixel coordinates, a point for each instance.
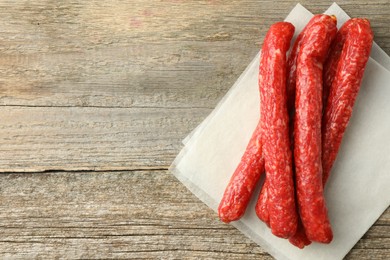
(261, 207)
(275, 130)
(243, 181)
(330, 66)
(299, 239)
(344, 89)
(292, 62)
(307, 129)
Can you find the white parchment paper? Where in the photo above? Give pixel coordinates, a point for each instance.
(357, 192)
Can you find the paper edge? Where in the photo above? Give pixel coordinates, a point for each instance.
(199, 129)
(242, 227)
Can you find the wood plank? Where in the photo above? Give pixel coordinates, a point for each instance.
(372, 254)
(140, 53)
(126, 214)
(73, 138)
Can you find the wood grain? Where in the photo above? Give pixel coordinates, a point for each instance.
(127, 214)
(92, 138)
(96, 97)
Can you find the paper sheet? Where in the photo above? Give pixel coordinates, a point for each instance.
(357, 191)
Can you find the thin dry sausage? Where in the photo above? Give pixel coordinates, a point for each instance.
(261, 207)
(344, 89)
(330, 66)
(243, 181)
(275, 130)
(307, 129)
(292, 63)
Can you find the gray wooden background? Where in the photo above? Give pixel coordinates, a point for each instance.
(96, 97)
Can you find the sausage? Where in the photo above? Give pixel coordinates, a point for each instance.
(261, 207)
(330, 66)
(307, 129)
(240, 188)
(299, 239)
(275, 130)
(243, 181)
(344, 89)
(292, 63)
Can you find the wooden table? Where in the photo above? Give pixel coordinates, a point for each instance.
(96, 97)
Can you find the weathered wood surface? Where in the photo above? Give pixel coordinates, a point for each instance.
(127, 214)
(91, 138)
(96, 97)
